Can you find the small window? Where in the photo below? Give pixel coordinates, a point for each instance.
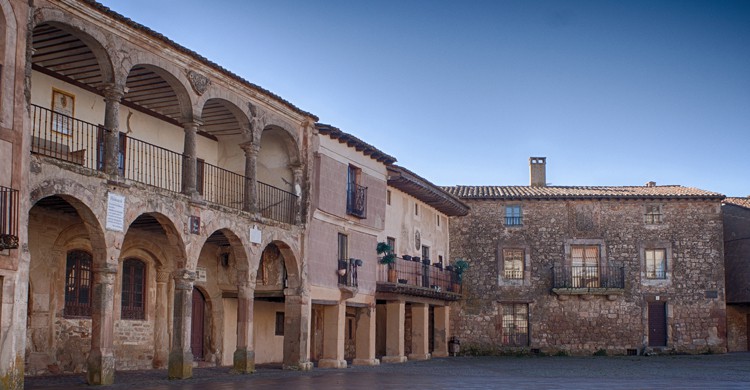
(515, 324)
(78, 284)
(513, 263)
(416, 209)
(513, 216)
(656, 263)
(438, 220)
(425, 252)
(343, 247)
(440, 259)
(350, 329)
(391, 243)
(653, 214)
(279, 328)
(133, 290)
(388, 197)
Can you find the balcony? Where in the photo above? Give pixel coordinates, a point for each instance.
(588, 280)
(82, 143)
(8, 218)
(356, 200)
(415, 278)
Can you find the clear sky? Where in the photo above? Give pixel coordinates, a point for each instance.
(463, 92)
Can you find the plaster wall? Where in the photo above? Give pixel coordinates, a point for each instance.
(402, 222)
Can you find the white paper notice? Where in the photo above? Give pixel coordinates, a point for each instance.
(255, 236)
(115, 212)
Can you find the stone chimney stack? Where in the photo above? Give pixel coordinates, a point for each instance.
(651, 184)
(538, 171)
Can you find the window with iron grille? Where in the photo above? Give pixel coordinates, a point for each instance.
(656, 263)
(356, 195)
(279, 328)
(653, 214)
(133, 290)
(78, 284)
(513, 215)
(343, 256)
(515, 324)
(513, 263)
(584, 265)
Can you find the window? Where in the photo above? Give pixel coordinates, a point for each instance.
(438, 220)
(425, 252)
(279, 328)
(388, 197)
(513, 216)
(515, 324)
(513, 263)
(416, 209)
(78, 283)
(356, 195)
(440, 259)
(391, 243)
(656, 263)
(133, 290)
(653, 214)
(585, 265)
(343, 253)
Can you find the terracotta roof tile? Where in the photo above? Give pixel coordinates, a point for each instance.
(742, 202)
(422, 189)
(582, 192)
(356, 143)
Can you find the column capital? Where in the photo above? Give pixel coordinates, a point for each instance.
(250, 148)
(105, 269)
(194, 123)
(113, 92)
(162, 276)
(183, 279)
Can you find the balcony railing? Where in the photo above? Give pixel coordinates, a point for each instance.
(8, 218)
(349, 277)
(416, 278)
(356, 200)
(588, 277)
(82, 143)
(513, 221)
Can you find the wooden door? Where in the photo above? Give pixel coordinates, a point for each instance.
(196, 336)
(657, 324)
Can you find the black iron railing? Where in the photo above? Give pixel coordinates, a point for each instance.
(63, 137)
(513, 221)
(152, 165)
(276, 203)
(9, 198)
(656, 274)
(220, 186)
(348, 272)
(588, 277)
(356, 200)
(418, 274)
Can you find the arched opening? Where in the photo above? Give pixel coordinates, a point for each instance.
(198, 334)
(278, 153)
(269, 315)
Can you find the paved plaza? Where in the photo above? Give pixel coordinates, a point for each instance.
(727, 371)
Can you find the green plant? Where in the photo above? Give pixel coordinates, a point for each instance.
(460, 266)
(388, 258)
(383, 248)
(387, 252)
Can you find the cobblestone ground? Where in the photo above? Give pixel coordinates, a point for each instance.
(728, 371)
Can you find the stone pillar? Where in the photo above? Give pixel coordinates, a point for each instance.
(101, 361)
(297, 332)
(442, 331)
(297, 172)
(250, 202)
(334, 325)
(181, 356)
(365, 337)
(112, 96)
(394, 332)
(420, 331)
(189, 158)
(161, 337)
(244, 355)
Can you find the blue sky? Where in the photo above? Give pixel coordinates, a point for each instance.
(463, 92)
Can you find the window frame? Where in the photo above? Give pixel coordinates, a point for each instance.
(83, 272)
(509, 327)
(508, 254)
(653, 214)
(513, 215)
(132, 311)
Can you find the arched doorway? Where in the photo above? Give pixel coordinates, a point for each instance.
(197, 336)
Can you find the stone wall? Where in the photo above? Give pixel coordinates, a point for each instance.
(615, 320)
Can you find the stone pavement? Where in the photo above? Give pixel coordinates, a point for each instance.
(727, 371)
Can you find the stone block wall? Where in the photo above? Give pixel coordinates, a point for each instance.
(583, 323)
(134, 349)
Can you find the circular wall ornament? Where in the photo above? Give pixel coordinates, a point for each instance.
(417, 240)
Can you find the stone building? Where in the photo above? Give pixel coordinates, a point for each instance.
(626, 270)
(736, 213)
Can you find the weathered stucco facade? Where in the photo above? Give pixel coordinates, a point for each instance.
(551, 298)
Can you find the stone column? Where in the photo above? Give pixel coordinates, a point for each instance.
(297, 172)
(334, 325)
(420, 331)
(161, 337)
(244, 355)
(250, 202)
(394, 332)
(365, 337)
(442, 330)
(189, 158)
(112, 96)
(181, 356)
(297, 332)
(101, 361)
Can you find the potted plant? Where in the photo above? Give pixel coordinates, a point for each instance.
(459, 267)
(426, 261)
(389, 259)
(416, 258)
(406, 257)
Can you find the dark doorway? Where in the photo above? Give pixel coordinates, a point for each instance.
(196, 336)
(657, 324)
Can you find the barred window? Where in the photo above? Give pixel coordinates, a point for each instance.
(133, 290)
(653, 214)
(279, 325)
(515, 324)
(513, 215)
(513, 263)
(78, 283)
(656, 263)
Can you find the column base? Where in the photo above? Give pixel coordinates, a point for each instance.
(180, 365)
(100, 368)
(439, 354)
(331, 363)
(393, 359)
(244, 362)
(419, 356)
(303, 366)
(365, 362)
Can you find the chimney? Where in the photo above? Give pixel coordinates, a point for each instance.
(651, 184)
(538, 171)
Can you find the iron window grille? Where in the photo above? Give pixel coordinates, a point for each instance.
(133, 290)
(515, 324)
(8, 218)
(356, 200)
(513, 215)
(656, 264)
(78, 284)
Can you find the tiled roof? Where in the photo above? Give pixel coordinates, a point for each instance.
(123, 19)
(356, 143)
(422, 189)
(560, 192)
(742, 202)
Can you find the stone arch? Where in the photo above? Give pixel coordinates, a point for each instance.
(230, 105)
(293, 270)
(146, 221)
(278, 154)
(184, 111)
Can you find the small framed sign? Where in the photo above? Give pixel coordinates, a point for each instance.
(63, 106)
(195, 224)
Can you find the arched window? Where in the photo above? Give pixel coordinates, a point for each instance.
(133, 290)
(78, 283)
